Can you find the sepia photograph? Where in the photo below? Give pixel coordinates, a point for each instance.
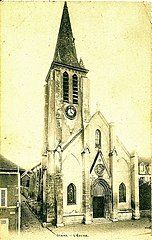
(76, 106)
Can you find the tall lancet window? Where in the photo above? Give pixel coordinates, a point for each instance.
(98, 138)
(75, 89)
(65, 87)
(122, 192)
(71, 194)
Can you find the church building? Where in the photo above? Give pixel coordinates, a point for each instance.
(87, 173)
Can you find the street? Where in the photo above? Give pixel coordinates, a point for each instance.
(29, 222)
(31, 228)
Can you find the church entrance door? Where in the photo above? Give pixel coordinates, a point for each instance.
(101, 201)
(98, 207)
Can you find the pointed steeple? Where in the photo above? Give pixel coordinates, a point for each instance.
(65, 52)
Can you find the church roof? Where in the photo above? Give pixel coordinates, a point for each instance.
(65, 52)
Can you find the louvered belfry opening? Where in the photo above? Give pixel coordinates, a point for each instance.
(65, 87)
(75, 89)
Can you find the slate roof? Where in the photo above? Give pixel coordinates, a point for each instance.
(65, 51)
(7, 165)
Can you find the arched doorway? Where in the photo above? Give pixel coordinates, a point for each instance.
(101, 199)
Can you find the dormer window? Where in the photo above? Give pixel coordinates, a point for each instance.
(65, 87)
(97, 138)
(75, 88)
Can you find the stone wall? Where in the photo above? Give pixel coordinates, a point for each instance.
(72, 173)
(124, 215)
(73, 218)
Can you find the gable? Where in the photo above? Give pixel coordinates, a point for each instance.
(98, 118)
(97, 121)
(99, 165)
(121, 150)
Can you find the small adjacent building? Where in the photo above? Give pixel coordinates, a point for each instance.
(10, 204)
(144, 169)
(144, 173)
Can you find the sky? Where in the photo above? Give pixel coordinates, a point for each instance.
(112, 38)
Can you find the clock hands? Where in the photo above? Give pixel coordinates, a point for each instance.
(71, 112)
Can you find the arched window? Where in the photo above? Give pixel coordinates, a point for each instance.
(75, 89)
(65, 87)
(71, 194)
(122, 192)
(28, 183)
(98, 138)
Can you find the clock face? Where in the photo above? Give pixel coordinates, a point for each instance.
(70, 112)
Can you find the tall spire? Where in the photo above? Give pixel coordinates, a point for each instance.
(65, 51)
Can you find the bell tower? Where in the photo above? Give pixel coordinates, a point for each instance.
(66, 89)
(66, 114)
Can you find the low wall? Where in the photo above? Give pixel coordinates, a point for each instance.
(73, 218)
(124, 215)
